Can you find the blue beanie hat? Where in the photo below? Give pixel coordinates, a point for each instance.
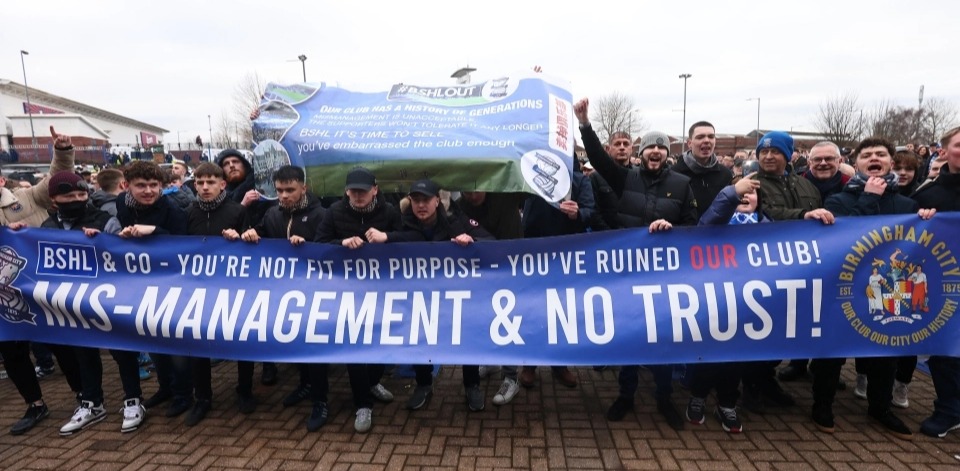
(778, 140)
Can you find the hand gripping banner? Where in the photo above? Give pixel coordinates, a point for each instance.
(866, 286)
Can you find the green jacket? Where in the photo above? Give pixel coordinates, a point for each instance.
(787, 197)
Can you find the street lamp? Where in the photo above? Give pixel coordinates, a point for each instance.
(303, 62)
(758, 119)
(33, 136)
(683, 132)
(210, 142)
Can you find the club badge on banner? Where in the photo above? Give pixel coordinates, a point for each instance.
(867, 286)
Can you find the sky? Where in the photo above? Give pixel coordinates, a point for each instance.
(172, 63)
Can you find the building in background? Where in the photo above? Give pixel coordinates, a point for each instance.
(95, 131)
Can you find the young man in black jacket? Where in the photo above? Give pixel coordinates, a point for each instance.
(143, 211)
(425, 221)
(652, 196)
(346, 224)
(212, 214)
(296, 219)
(70, 197)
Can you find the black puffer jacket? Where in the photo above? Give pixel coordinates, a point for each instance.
(644, 196)
(166, 216)
(229, 215)
(943, 194)
(281, 224)
(853, 201)
(343, 222)
(446, 228)
(707, 184)
(93, 218)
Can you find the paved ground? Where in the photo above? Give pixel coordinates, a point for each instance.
(547, 427)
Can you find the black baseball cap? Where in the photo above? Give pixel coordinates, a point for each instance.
(360, 179)
(425, 187)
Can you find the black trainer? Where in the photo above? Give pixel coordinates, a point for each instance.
(31, 418)
(268, 376)
(298, 395)
(669, 412)
(894, 425)
(158, 398)
(752, 401)
(619, 409)
(318, 416)
(246, 402)
(791, 373)
(198, 412)
(179, 406)
(728, 419)
(775, 393)
(939, 425)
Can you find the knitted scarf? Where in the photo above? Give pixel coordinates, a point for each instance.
(212, 205)
(695, 166)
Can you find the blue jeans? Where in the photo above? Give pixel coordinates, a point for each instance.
(945, 372)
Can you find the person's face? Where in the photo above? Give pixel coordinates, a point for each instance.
(823, 162)
(741, 155)
(748, 204)
(728, 161)
(772, 161)
(78, 195)
(234, 169)
(905, 175)
(474, 198)
(653, 157)
(874, 161)
(362, 198)
(145, 192)
(619, 148)
(424, 207)
(703, 142)
(209, 187)
(179, 170)
(935, 168)
(952, 152)
(910, 147)
(290, 192)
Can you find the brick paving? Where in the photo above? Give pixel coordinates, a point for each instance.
(546, 427)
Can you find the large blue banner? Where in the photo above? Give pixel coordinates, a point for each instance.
(864, 286)
(513, 133)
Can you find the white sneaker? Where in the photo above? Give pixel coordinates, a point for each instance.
(861, 389)
(364, 420)
(488, 370)
(900, 391)
(133, 415)
(507, 391)
(86, 415)
(381, 393)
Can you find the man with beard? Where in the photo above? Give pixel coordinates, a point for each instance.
(943, 194)
(346, 224)
(871, 192)
(785, 196)
(652, 196)
(700, 164)
(241, 187)
(296, 218)
(212, 214)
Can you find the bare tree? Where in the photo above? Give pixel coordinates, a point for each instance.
(840, 119)
(246, 97)
(227, 132)
(615, 112)
(939, 116)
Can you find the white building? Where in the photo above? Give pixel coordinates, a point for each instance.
(94, 126)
